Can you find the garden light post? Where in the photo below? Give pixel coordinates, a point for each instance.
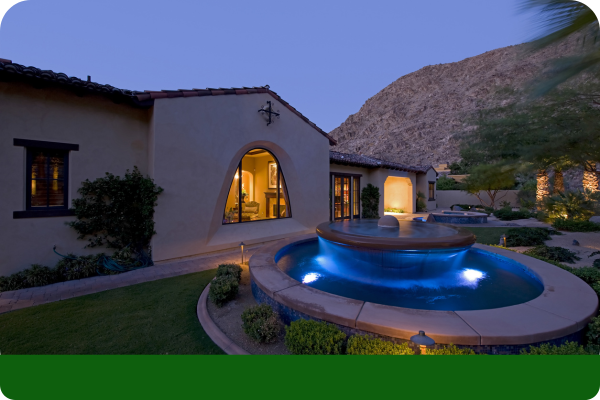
(242, 247)
(423, 341)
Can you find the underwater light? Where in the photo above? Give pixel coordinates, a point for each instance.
(472, 275)
(311, 277)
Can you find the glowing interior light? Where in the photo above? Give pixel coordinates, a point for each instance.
(311, 277)
(472, 275)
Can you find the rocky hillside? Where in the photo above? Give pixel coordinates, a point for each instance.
(415, 120)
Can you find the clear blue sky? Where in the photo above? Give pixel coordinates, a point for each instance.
(324, 57)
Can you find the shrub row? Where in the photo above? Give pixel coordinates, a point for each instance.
(575, 226)
(507, 214)
(226, 284)
(569, 348)
(559, 254)
(528, 236)
(321, 338)
(67, 269)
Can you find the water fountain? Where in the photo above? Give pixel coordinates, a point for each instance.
(394, 278)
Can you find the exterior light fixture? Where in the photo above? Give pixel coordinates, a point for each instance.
(242, 247)
(422, 341)
(268, 112)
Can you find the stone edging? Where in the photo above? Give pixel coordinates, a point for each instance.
(564, 308)
(212, 330)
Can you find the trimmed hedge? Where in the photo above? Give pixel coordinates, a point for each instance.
(261, 323)
(553, 253)
(507, 214)
(367, 345)
(312, 337)
(575, 226)
(546, 349)
(450, 350)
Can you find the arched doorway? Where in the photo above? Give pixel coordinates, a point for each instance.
(253, 194)
(398, 194)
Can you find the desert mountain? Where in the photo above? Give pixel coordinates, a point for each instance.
(415, 120)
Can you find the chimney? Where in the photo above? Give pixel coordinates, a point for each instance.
(89, 78)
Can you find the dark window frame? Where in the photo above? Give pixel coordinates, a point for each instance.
(430, 190)
(238, 170)
(44, 212)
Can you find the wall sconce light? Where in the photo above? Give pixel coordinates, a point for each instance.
(268, 113)
(242, 247)
(422, 341)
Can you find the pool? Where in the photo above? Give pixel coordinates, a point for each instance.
(466, 279)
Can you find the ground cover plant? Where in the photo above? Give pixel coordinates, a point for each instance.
(528, 236)
(70, 268)
(261, 323)
(553, 253)
(156, 317)
(394, 210)
(367, 345)
(312, 337)
(575, 226)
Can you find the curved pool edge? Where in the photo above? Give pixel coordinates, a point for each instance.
(561, 311)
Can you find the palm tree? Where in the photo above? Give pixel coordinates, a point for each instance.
(556, 20)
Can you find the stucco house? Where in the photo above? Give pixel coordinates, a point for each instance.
(229, 173)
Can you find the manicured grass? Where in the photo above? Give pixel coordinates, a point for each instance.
(149, 318)
(488, 235)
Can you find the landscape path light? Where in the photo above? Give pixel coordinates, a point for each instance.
(423, 341)
(242, 247)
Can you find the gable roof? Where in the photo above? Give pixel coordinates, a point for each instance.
(357, 160)
(10, 71)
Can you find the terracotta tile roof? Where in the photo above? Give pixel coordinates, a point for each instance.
(357, 160)
(36, 76)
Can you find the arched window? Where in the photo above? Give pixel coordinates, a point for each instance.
(253, 195)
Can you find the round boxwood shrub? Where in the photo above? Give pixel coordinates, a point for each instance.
(261, 323)
(223, 289)
(312, 337)
(450, 350)
(367, 345)
(231, 270)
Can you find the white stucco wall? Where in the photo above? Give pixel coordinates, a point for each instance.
(197, 144)
(111, 138)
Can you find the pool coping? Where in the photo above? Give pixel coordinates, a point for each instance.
(565, 306)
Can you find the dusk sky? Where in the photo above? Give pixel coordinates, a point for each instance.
(324, 57)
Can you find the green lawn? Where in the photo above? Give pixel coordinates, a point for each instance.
(488, 235)
(149, 318)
